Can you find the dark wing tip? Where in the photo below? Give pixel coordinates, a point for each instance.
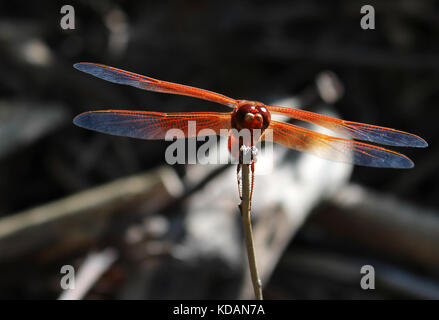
(371, 156)
(407, 140)
(81, 120)
(400, 161)
(382, 135)
(421, 143)
(405, 164)
(411, 140)
(91, 68)
(96, 121)
(81, 66)
(395, 161)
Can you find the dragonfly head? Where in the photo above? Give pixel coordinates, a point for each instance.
(250, 115)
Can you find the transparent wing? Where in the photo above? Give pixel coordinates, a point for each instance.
(355, 130)
(146, 83)
(153, 125)
(336, 149)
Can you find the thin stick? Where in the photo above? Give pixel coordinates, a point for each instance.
(246, 222)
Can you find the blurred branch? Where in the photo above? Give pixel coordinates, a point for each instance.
(345, 269)
(24, 122)
(384, 223)
(63, 220)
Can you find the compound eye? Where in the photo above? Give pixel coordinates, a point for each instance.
(249, 117)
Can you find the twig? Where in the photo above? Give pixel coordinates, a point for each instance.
(246, 222)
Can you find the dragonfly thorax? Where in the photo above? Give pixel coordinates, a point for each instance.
(250, 115)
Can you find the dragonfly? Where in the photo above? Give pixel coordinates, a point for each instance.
(247, 115)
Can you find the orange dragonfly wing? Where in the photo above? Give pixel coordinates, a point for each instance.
(336, 149)
(146, 83)
(355, 130)
(153, 125)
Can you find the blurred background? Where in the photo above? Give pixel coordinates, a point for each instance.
(133, 227)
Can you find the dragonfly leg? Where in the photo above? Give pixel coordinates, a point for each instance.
(252, 166)
(239, 180)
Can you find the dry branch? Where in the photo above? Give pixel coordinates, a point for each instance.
(384, 223)
(63, 220)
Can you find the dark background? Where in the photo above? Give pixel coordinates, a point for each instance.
(257, 50)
